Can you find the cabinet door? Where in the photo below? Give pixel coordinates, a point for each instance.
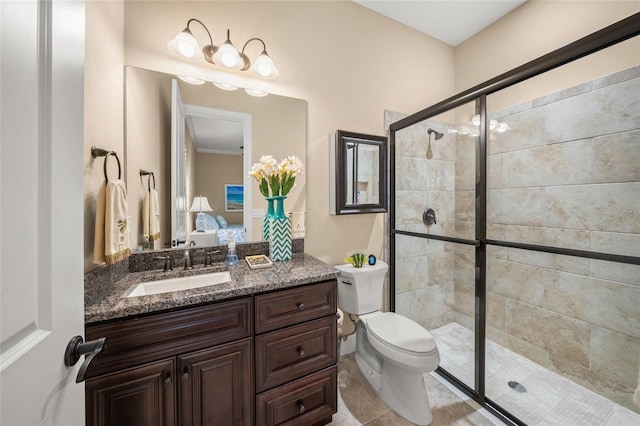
(140, 396)
(216, 386)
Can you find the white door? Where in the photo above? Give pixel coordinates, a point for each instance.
(41, 210)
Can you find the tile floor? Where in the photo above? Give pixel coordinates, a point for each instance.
(550, 399)
(358, 404)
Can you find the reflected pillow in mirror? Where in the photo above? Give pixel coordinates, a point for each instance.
(221, 221)
(210, 222)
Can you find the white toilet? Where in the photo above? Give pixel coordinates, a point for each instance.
(393, 352)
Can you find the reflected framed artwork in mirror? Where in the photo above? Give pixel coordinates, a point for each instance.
(359, 173)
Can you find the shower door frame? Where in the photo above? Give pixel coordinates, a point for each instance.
(599, 40)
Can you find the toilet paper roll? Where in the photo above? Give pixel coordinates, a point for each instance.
(346, 326)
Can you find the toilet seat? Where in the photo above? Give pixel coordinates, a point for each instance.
(402, 334)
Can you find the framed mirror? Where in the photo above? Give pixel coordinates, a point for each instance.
(225, 132)
(360, 173)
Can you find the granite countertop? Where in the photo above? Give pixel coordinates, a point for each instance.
(301, 269)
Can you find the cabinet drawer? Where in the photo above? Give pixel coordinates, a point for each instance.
(134, 341)
(287, 354)
(307, 401)
(292, 306)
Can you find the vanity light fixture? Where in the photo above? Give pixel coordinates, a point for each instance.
(227, 56)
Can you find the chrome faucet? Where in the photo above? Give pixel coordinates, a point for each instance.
(187, 259)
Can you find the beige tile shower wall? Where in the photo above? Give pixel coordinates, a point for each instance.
(424, 268)
(566, 175)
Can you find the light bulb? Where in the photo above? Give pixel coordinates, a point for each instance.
(263, 66)
(185, 46)
(228, 57)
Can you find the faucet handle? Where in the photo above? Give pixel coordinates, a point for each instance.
(208, 261)
(167, 262)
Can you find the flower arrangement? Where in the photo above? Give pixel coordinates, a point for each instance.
(279, 177)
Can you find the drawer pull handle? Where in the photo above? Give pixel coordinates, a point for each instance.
(300, 351)
(301, 306)
(301, 408)
(168, 381)
(185, 377)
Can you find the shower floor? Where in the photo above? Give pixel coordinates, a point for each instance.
(549, 399)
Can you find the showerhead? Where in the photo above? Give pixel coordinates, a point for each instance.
(437, 134)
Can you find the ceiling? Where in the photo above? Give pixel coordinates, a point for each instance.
(216, 135)
(451, 21)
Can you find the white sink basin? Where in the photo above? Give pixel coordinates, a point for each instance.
(178, 284)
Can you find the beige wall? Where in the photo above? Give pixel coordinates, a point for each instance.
(535, 29)
(103, 103)
(349, 63)
(342, 58)
(213, 171)
(148, 127)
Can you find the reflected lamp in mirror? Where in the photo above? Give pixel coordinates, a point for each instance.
(359, 173)
(185, 45)
(200, 205)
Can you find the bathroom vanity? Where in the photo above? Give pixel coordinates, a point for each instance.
(261, 349)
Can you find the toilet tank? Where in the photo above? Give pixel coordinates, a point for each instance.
(360, 289)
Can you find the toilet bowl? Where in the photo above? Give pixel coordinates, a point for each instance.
(392, 351)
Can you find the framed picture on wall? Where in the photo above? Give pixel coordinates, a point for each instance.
(233, 198)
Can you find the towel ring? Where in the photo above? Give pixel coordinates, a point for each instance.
(106, 159)
(151, 175)
(99, 152)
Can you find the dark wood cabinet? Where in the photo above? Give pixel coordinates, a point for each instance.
(204, 365)
(140, 396)
(296, 355)
(215, 386)
(205, 376)
(308, 401)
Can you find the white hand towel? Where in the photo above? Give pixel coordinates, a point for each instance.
(151, 216)
(112, 224)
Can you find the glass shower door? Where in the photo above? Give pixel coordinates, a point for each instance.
(434, 234)
(563, 280)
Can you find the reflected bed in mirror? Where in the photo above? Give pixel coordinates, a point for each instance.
(224, 133)
(359, 173)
